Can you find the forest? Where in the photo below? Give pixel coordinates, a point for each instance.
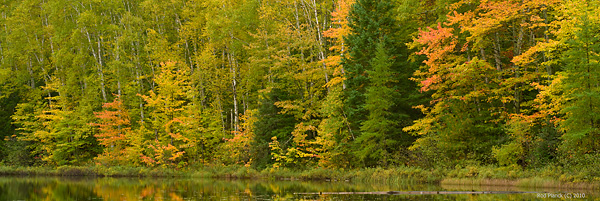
(337, 84)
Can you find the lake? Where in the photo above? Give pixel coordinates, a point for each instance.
(104, 188)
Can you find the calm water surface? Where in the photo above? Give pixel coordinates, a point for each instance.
(82, 188)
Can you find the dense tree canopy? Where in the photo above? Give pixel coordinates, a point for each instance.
(303, 83)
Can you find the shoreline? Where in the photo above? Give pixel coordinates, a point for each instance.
(533, 182)
(397, 175)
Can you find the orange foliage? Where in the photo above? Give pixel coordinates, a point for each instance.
(237, 148)
(114, 128)
(337, 34)
(439, 44)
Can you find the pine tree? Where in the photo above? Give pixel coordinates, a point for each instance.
(370, 22)
(375, 139)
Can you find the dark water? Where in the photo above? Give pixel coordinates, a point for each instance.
(82, 188)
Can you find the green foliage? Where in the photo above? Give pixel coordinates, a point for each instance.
(370, 23)
(509, 154)
(18, 153)
(271, 123)
(512, 152)
(377, 130)
(582, 71)
(302, 84)
(378, 97)
(335, 136)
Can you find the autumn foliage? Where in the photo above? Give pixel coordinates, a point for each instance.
(114, 132)
(300, 84)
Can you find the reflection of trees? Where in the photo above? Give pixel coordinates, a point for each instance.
(48, 188)
(44, 188)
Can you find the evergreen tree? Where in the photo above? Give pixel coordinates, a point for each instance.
(271, 123)
(370, 23)
(375, 139)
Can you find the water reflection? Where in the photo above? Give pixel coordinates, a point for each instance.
(81, 188)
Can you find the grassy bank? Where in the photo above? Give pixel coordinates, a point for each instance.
(471, 175)
(117, 171)
(376, 175)
(534, 182)
(545, 177)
